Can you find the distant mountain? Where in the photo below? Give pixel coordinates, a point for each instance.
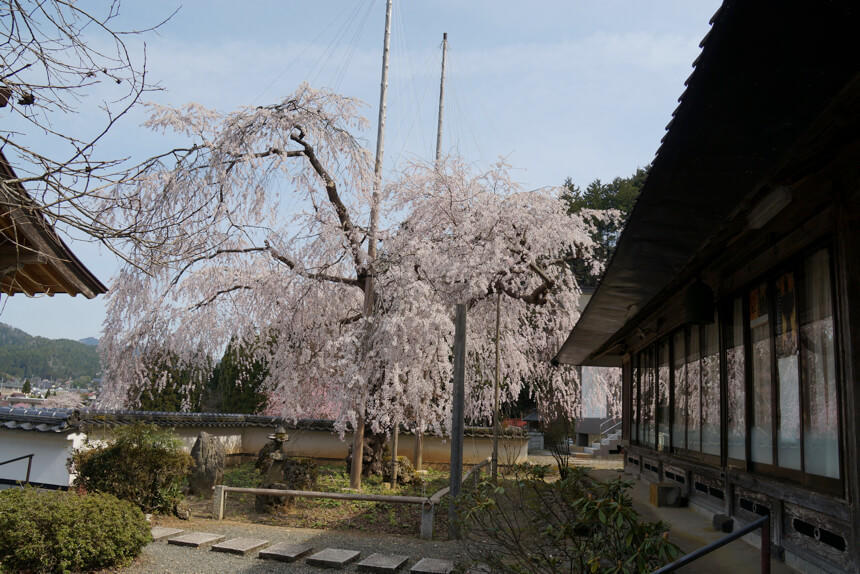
(24, 356)
(92, 341)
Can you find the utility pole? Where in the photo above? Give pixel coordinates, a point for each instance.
(441, 96)
(457, 421)
(418, 455)
(495, 469)
(358, 436)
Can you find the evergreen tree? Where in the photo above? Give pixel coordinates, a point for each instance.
(619, 194)
(236, 385)
(26, 388)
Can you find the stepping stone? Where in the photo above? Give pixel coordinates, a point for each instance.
(196, 539)
(285, 552)
(159, 532)
(240, 546)
(382, 563)
(433, 566)
(333, 557)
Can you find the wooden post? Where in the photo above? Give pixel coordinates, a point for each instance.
(441, 97)
(457, 422)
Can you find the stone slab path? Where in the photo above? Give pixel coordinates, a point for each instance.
(286, 552)
(292, 545)
(333, 557)
(160, 532)
(433, 566)
(196, 539)
(240, 546)
(384, 563)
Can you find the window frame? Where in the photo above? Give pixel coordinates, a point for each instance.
(725, 318)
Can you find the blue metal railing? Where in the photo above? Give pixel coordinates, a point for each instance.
(763, 523)
(29, 458)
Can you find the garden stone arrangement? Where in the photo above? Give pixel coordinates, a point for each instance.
(337, 558)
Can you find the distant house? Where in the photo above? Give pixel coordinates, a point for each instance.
(732, 301)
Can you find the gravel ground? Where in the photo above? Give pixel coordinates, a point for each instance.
(161, 558)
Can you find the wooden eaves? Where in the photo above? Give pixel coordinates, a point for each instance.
(33, 258)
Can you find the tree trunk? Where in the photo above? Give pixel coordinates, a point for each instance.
(357, 447)
(418, 456)
(395, 435)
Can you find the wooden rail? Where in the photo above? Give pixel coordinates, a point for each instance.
(428, 504)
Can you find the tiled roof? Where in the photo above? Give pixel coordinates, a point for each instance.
(74, 420)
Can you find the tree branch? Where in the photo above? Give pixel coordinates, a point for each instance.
(308, 275)
(349, 230)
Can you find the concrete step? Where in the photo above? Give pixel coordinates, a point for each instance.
(385, 563)
(196, 539)
(285, 552)
(333, 557)
(240, 546)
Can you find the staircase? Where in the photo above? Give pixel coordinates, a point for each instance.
(610, 436)
(602, 447)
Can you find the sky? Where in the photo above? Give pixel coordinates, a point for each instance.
(557, 89)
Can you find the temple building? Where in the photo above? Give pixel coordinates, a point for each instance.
(732, 301)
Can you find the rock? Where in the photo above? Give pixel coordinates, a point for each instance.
(300, 473)
(208, 454)
(270, 504)
(182, 511)
(406, 473)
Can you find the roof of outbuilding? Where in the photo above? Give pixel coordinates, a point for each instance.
(765, 73)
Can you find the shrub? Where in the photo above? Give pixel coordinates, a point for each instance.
(143, 464)
(68, 532)
(574, 525)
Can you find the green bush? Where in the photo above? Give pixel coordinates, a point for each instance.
(68, 532)
(143, 464)
(575, 525)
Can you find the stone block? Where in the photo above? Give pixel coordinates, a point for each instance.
(433, 566)
(285, 552)
(160, 532)
(665, 494)
(382, 563)
(196, 539)
(333, 557)
(209, 456)
(240, 546)
(723, 523)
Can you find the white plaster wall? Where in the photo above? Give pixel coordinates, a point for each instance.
(51, 451)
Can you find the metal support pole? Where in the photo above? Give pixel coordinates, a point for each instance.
(457, 421)
(765, 547)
